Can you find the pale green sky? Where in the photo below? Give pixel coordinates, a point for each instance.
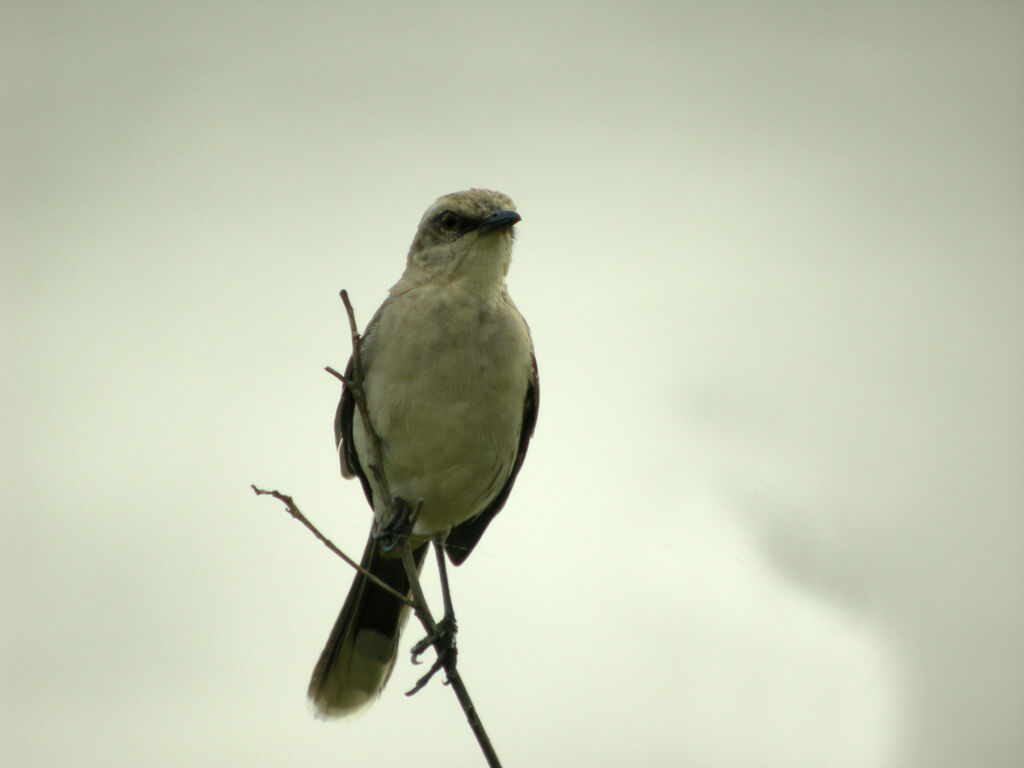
(773, 260)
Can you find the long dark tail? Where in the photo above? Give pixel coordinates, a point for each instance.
(360, 653)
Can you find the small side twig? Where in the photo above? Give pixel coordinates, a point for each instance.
(295, 512)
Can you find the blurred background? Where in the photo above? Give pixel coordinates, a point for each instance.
(773, 259)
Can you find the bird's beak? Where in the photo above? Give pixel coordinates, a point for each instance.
(502, 219)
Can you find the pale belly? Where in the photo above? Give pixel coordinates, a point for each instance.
(449, 411)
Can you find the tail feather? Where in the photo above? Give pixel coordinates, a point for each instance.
(360, 653)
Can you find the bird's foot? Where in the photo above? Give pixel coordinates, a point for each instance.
(398, 526)
(443, 642)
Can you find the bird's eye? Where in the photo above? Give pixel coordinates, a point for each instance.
(449, 221)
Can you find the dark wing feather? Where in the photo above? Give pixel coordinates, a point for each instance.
(464, 537)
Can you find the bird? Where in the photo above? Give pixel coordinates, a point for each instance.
(451, 388)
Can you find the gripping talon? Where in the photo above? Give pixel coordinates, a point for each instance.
(443, 642)
(422, 682)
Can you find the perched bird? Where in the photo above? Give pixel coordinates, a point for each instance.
(451, 387)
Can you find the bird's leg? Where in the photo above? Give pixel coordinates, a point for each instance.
(398, 526)
(443, 636)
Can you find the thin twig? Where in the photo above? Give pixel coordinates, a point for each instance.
(339, 376)
(450, 669)
(295, 512)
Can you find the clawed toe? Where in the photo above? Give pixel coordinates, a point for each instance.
(443, 642)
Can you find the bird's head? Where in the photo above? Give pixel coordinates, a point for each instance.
(465, 235)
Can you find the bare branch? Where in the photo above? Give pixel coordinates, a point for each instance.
(295, 512)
